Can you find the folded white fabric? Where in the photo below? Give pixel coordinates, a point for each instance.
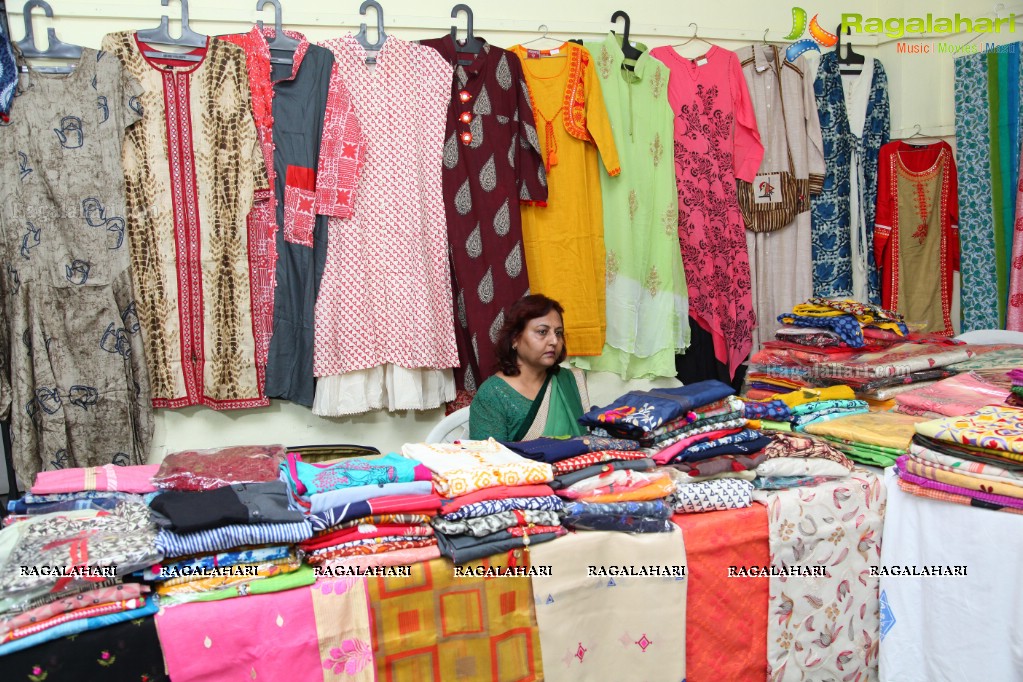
(716, 495)
(471, 465)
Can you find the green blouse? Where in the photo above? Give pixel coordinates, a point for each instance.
(497, 411)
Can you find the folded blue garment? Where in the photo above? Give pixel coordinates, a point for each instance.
(639, 412)
(81, 625)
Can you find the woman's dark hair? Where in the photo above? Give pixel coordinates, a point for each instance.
(522, 311)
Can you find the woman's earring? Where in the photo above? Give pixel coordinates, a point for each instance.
(515, 348)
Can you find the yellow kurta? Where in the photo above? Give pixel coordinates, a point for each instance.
(564, 239)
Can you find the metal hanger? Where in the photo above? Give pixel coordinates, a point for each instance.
(381, 36)
(543, 28)
(473, 45)
(630, 51)
(161, 36)
(57, 49)
(918, 134)
(851, 61)
(695, 36)
(280, 42)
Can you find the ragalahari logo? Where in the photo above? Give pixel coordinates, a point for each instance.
(818, 35)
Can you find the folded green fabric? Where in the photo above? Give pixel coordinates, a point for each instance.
(278, 583)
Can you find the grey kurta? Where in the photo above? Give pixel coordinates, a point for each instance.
(74, 381)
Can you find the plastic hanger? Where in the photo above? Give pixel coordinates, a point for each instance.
(543, 28)
(280, 42)
(473, 45)
(57, 49)
(695, 36)
(161, 36)
(851, 61)
(631, 52)
(381, 36)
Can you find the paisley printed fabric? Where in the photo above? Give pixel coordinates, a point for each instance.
(73, 378)
(825, 627)
(847, 153)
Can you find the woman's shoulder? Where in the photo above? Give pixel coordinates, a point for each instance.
(493, 386)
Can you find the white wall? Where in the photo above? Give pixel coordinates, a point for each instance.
(921, 92)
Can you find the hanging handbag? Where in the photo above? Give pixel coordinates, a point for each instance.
(774, 199)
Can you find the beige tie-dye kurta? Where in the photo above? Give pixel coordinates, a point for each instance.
(192, 169)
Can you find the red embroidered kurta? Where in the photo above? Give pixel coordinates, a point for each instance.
(193, 167)
(916, 235)
(492, 163)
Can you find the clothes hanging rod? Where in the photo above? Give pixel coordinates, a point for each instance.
(143, 16)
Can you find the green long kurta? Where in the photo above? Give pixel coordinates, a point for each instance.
(647, 301)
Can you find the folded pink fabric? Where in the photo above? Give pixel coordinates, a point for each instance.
(103, 595)
(1001, 500)
(665, 455)
(955, 396)
(131, 479)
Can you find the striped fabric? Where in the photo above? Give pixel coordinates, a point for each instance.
(173, 544)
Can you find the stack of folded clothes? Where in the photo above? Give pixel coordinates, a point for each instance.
(494, 500)
(364, 511)
(952, 397)
(792, 460)
(595, 458)
(226, 527)
(63, 572)
(975, 460)
(814, 405)
(1015, 399)
(992, 362)
(875, 438)
(80, 488)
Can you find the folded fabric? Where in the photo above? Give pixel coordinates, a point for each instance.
(966, 466)
(186, 512)
(845, 326)
(823, 406)
(251, 555)
(499, 492)
(364, 532)
(553, 450)
(718, 465)
(130, 479)
(485, 525)
(685, 479)
(667, 452)
(655, 490)
(470, 465)
(487, 507)
(726, 420)
(332, 516)
(935, 472)
(893, 392)
(899, 359)
(995, 428)
(868, 385)
(378, 519)
(991, 498)
(955, 396)
(77, 614)
(338, 498)
(20, 508)
(713, 449)
(252, 573)
(999, 458)
(639, 412)
(786, 482)
(742, 437)
(32, 498)
(172, 544)
(775, 410)
(869, 454)
(66, 604)
(1000, 357)
(807, 395)
(321, 556)
(622, 524)
(311, 479)
(80, 625)
(300, 577)
(715, 495)
(219, 467)
(654, 509)
(464, 548)
(591, 458)
(943, 496)
(800, 423)
(567, 479)
(612, 481)
(10, 607)
(801, 466)
(887, 429)
(397, 557)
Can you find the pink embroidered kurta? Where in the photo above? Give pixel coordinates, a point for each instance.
(385, 298)
(716, 141)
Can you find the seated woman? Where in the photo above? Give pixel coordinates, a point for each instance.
(531, 395)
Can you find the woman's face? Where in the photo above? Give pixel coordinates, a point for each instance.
(540, 343)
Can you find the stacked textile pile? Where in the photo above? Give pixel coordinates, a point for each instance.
(804, 407)
(993, 362)
(1015, 398)
(875, 438)
(61, 572)
(604, 481)
(364, 511)
(975, 460)
(494, 500)
(791, 460)
(697, 433)
(952, 397)
(225, 521)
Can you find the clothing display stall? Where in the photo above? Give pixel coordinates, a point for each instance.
(716, 456)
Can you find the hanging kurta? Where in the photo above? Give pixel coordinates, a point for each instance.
(780, 261)
(385, 333)
(647, 302)
(492, 163)
(916, 237)
(314, 148)
(193, 167)
(73, 378)
(565, 240)
(854, 120)
(716, 141)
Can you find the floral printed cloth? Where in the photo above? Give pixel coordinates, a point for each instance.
(775, 410)
(637, 413)
(825, 628)
(485, 525)
(992, 428)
